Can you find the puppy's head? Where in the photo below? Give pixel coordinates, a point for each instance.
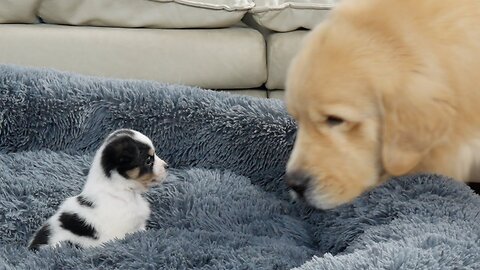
(366, 106)
(131, 155)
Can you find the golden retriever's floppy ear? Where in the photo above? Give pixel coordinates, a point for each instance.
(414, 120)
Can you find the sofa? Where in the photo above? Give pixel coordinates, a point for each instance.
(239, 46)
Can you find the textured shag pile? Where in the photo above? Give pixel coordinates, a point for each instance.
(224, 205)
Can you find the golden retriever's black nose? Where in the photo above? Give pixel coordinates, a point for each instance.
(297, 181)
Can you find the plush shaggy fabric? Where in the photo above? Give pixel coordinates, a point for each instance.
(224, 205)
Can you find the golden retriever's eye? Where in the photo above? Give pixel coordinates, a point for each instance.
(334, 120)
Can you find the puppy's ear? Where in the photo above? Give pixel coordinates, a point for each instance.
(119, 154)
(125, 150)
(125, 155)
(414, 121)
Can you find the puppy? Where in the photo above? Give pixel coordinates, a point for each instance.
(385, 88)
(110, 204)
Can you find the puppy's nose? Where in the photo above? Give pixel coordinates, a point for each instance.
(298, 181)
(166, 166)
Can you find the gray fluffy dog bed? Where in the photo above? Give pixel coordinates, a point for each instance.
(224, 205)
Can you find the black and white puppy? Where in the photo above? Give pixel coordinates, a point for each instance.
(110, 204)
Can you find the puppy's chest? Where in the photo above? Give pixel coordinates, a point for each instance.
(120, 216)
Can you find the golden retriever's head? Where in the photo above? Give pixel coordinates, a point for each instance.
(365, 109)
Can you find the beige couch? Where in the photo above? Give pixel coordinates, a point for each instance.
(242, 46)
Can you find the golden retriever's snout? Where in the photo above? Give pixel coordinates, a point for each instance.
(321, 193)
(298, 182)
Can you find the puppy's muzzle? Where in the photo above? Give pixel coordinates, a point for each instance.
(298, 182)
(160, 171)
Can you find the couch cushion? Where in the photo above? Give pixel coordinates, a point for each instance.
(212, 58)
(145, 13)
(18, 11)
(288, 15)
(281, 48)
(278, 94)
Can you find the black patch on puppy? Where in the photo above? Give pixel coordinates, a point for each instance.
(124, 154)
(84, 201)
(41, 237)
(77, 225)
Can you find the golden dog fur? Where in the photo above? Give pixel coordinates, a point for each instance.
(386, 87)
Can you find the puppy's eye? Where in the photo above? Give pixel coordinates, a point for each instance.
(149, 161)
(333, 120)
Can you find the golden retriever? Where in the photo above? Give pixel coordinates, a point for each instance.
(385, 88)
